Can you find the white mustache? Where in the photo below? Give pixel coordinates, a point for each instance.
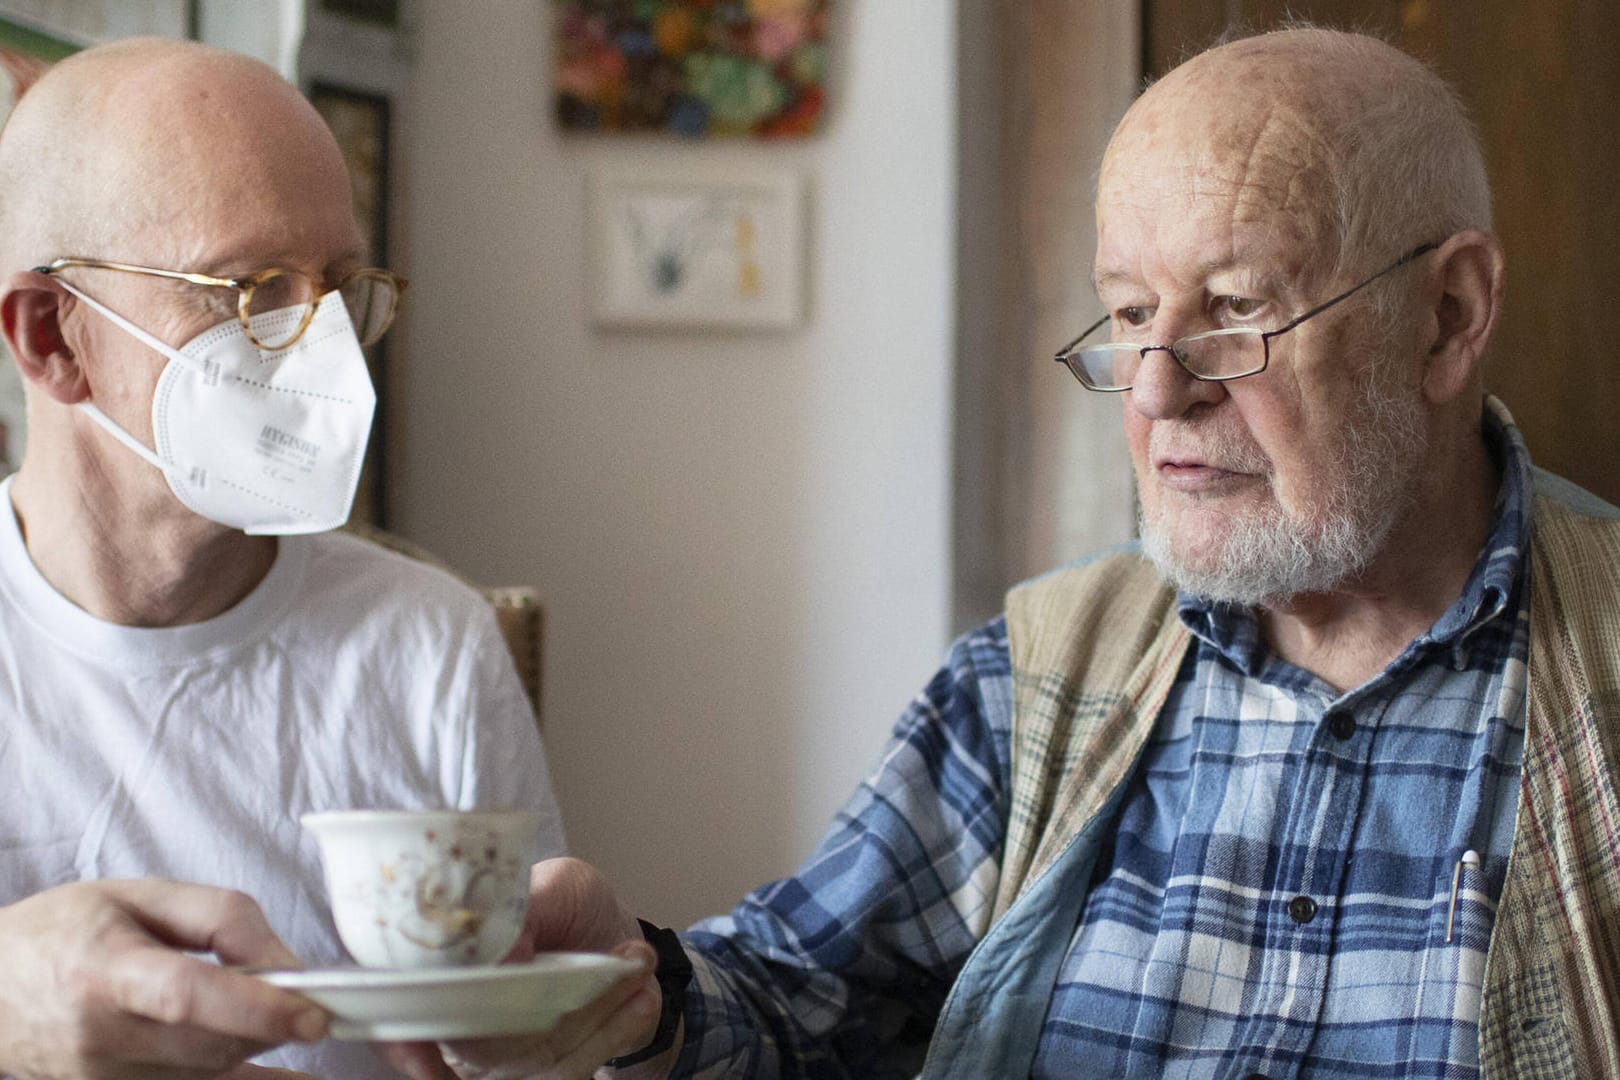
(1220, 448)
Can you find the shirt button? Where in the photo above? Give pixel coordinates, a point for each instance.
(1341, 724)
(1302, 909)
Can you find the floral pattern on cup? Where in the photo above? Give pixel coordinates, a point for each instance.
(425, 890)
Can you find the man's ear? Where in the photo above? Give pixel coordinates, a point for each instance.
(31, 308)
(1470, 276)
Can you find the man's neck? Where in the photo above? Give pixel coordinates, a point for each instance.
(1347, 636)
(135, 561)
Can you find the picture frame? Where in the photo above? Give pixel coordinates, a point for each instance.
(692, 69)
(383, 13)
(361, 121)
(697, 249)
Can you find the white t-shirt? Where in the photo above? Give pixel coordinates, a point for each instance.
(351, 677)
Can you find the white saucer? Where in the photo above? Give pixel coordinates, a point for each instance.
(454, 1003)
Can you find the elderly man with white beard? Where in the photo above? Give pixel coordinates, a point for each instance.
(1320, 780)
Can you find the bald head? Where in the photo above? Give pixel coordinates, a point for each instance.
(165, 152)
(1245, 196)
(1372, 149)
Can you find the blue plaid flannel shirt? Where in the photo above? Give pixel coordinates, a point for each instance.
(1276, 900)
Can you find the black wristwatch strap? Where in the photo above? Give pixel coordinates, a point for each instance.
(674, 972)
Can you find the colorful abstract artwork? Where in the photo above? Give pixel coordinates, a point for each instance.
(692, 67)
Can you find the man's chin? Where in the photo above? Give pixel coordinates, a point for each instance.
(1191, 564)
(1266, 568)
(1214, 566)
(1218, 583)
(1187, 553)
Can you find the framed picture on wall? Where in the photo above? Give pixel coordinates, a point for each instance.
(691, 68)
(360, 121)
(380, 12)
(716, 250)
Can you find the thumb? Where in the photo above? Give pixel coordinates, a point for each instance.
(522, 950)
(571, 906)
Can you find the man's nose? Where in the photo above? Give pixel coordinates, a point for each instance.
(1164, 390)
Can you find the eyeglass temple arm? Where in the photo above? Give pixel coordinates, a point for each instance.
(179, 275)
(1417, 252)
(1087, 332)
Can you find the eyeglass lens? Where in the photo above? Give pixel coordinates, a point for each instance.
(280, 306)
(371, 299)
(1113, 365)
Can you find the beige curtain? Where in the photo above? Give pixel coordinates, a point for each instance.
(1041, 473)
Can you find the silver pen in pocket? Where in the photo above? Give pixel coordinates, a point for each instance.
(1470, 859)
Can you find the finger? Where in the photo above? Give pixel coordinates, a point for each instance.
(418, 1060)
(134, 1047)
(626, 1030)
(522, 950)
(556, 902)
(606, 1017)
(262, 1072)
(571, 906)
(576, 1047)
(571, 1032)
(184, 992)
(573, 1028)
(222, 921)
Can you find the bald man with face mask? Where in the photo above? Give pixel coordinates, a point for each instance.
(188, 659)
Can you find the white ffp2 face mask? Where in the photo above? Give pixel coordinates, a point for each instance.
(266, 442)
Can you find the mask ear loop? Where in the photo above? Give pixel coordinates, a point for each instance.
(129, 327)
(123, 436)
(91, 410)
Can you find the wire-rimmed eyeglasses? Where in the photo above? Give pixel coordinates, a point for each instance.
(1211, 356)
(371, 295)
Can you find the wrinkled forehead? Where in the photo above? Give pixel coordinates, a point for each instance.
(1221, 166)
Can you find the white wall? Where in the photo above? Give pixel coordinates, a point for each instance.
(741, 539)
(271, 32)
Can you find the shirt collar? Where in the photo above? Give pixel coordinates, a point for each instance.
(1491, 589)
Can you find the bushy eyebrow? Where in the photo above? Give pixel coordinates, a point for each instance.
(251, 259)
(1101, 279)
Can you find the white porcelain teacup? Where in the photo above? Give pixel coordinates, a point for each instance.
(426, 888)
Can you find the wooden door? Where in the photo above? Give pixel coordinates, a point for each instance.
(1543, 83)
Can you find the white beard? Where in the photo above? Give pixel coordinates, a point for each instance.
(1273, 554)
